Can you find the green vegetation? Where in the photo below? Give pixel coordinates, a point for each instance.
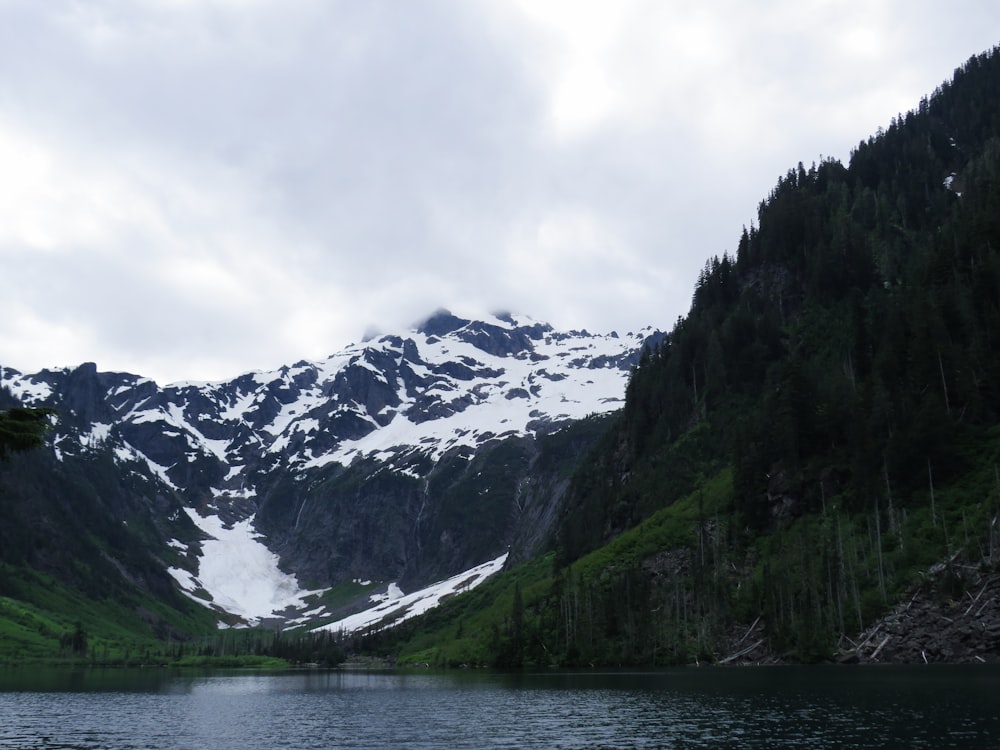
(843, 365)
(464, 630)
(689, 583)
(80, 582)
(42, 619)
(818, 431)
(22, 429)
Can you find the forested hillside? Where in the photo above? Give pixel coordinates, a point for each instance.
(853, 336)
(817, 433)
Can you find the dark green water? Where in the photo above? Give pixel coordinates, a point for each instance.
(780, 707)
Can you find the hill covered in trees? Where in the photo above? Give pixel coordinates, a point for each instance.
(817, 438)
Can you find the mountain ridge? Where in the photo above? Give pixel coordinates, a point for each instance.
(291, 456)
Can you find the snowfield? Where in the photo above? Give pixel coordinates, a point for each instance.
(394, 607)
(240, 574)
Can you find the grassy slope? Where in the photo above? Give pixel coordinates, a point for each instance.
(462, 630)
(40, 616)
(726, 579)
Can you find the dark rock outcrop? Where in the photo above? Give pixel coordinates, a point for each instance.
(952, 617)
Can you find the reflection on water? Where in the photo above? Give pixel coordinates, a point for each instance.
(884, 707)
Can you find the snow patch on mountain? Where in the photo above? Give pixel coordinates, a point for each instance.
(450, 383)
(96, 435)
(394, 606)
(239, 573)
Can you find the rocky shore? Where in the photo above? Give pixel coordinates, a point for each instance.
(952, 617)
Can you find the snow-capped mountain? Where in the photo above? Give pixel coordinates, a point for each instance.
(369, 465)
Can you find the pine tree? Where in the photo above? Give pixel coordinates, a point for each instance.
(22, 429)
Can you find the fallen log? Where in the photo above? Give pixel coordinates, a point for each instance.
(749, 631)
(876, 651)
(738, 654)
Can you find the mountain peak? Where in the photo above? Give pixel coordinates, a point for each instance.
(440, 323)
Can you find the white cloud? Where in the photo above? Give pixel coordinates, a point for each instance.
(192, 190)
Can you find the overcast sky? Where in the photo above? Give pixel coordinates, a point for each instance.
(193, 189)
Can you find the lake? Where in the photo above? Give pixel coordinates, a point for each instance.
(773, 707)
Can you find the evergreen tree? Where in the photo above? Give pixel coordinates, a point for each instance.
(22, 429)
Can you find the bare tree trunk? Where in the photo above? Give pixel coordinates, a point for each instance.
(930, 479)
(944, 384)
(894, 526)
(878, 551)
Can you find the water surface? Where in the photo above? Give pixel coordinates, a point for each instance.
(793, 707)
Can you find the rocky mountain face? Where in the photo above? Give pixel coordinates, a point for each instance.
(406, 458)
